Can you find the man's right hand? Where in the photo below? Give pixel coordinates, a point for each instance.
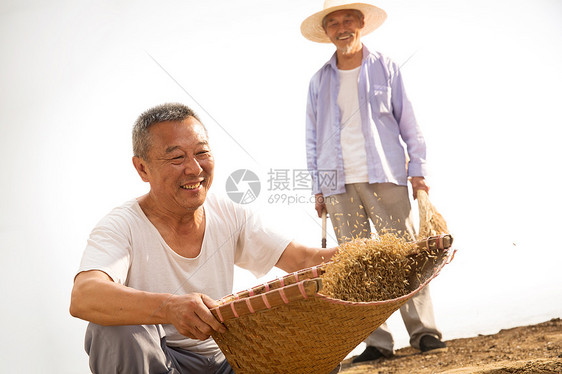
(191, 316)
(319, 204)
(96, 298)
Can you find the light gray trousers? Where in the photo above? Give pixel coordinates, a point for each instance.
(388, 207)
(142, 349)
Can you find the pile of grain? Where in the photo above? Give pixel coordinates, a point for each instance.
(367, 270)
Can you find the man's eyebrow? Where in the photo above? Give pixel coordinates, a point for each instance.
(174, 147)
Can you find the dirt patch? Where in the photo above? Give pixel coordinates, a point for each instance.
(527, 349)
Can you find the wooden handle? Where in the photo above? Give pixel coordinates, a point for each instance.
(323, 229)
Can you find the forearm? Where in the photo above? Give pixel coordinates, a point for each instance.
(297, 256)
(318, 256)
(96, 298)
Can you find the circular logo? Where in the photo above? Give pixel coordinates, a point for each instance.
(243, 186)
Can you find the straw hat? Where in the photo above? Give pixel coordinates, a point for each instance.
(312, 29)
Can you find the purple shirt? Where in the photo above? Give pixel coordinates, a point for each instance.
(387, 117)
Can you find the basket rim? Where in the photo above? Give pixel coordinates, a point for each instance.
(227, 302)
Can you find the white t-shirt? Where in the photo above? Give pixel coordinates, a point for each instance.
(351, 135)
(129, 248)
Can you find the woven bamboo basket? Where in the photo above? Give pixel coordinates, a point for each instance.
(288, 326)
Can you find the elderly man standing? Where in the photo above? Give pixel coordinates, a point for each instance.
(357, 116)
(153, 267)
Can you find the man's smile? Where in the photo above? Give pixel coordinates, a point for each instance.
(345, 36)
(191, 186)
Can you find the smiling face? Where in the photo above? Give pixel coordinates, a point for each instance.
(343, 28)
(179, 165)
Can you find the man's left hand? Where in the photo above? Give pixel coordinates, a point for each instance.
(418, 183)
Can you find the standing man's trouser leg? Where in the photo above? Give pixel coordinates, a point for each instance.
(388, 207)
(142, 349)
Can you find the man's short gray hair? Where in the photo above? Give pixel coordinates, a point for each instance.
(160, 113)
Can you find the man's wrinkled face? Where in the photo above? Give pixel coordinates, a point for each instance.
(180, 164)
(343, 28)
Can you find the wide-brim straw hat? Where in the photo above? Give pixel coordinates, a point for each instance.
(312, 29)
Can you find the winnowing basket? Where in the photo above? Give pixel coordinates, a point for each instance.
(288, 326)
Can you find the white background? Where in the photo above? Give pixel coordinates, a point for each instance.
(484, 78)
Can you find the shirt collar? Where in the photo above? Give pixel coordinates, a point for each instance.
(333, 61)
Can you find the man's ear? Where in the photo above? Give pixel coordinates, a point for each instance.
(141, 167)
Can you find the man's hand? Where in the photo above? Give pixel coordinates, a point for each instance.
(191, 316)
(418, 183)
(96, 298)
(319, 204)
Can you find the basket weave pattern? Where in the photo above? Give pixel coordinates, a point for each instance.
(288, 326)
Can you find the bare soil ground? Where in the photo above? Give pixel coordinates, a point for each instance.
(528, 349)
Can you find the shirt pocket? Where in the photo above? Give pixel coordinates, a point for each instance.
(380, 99)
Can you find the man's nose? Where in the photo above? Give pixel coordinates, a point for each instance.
(341, 28)
(192, 167)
